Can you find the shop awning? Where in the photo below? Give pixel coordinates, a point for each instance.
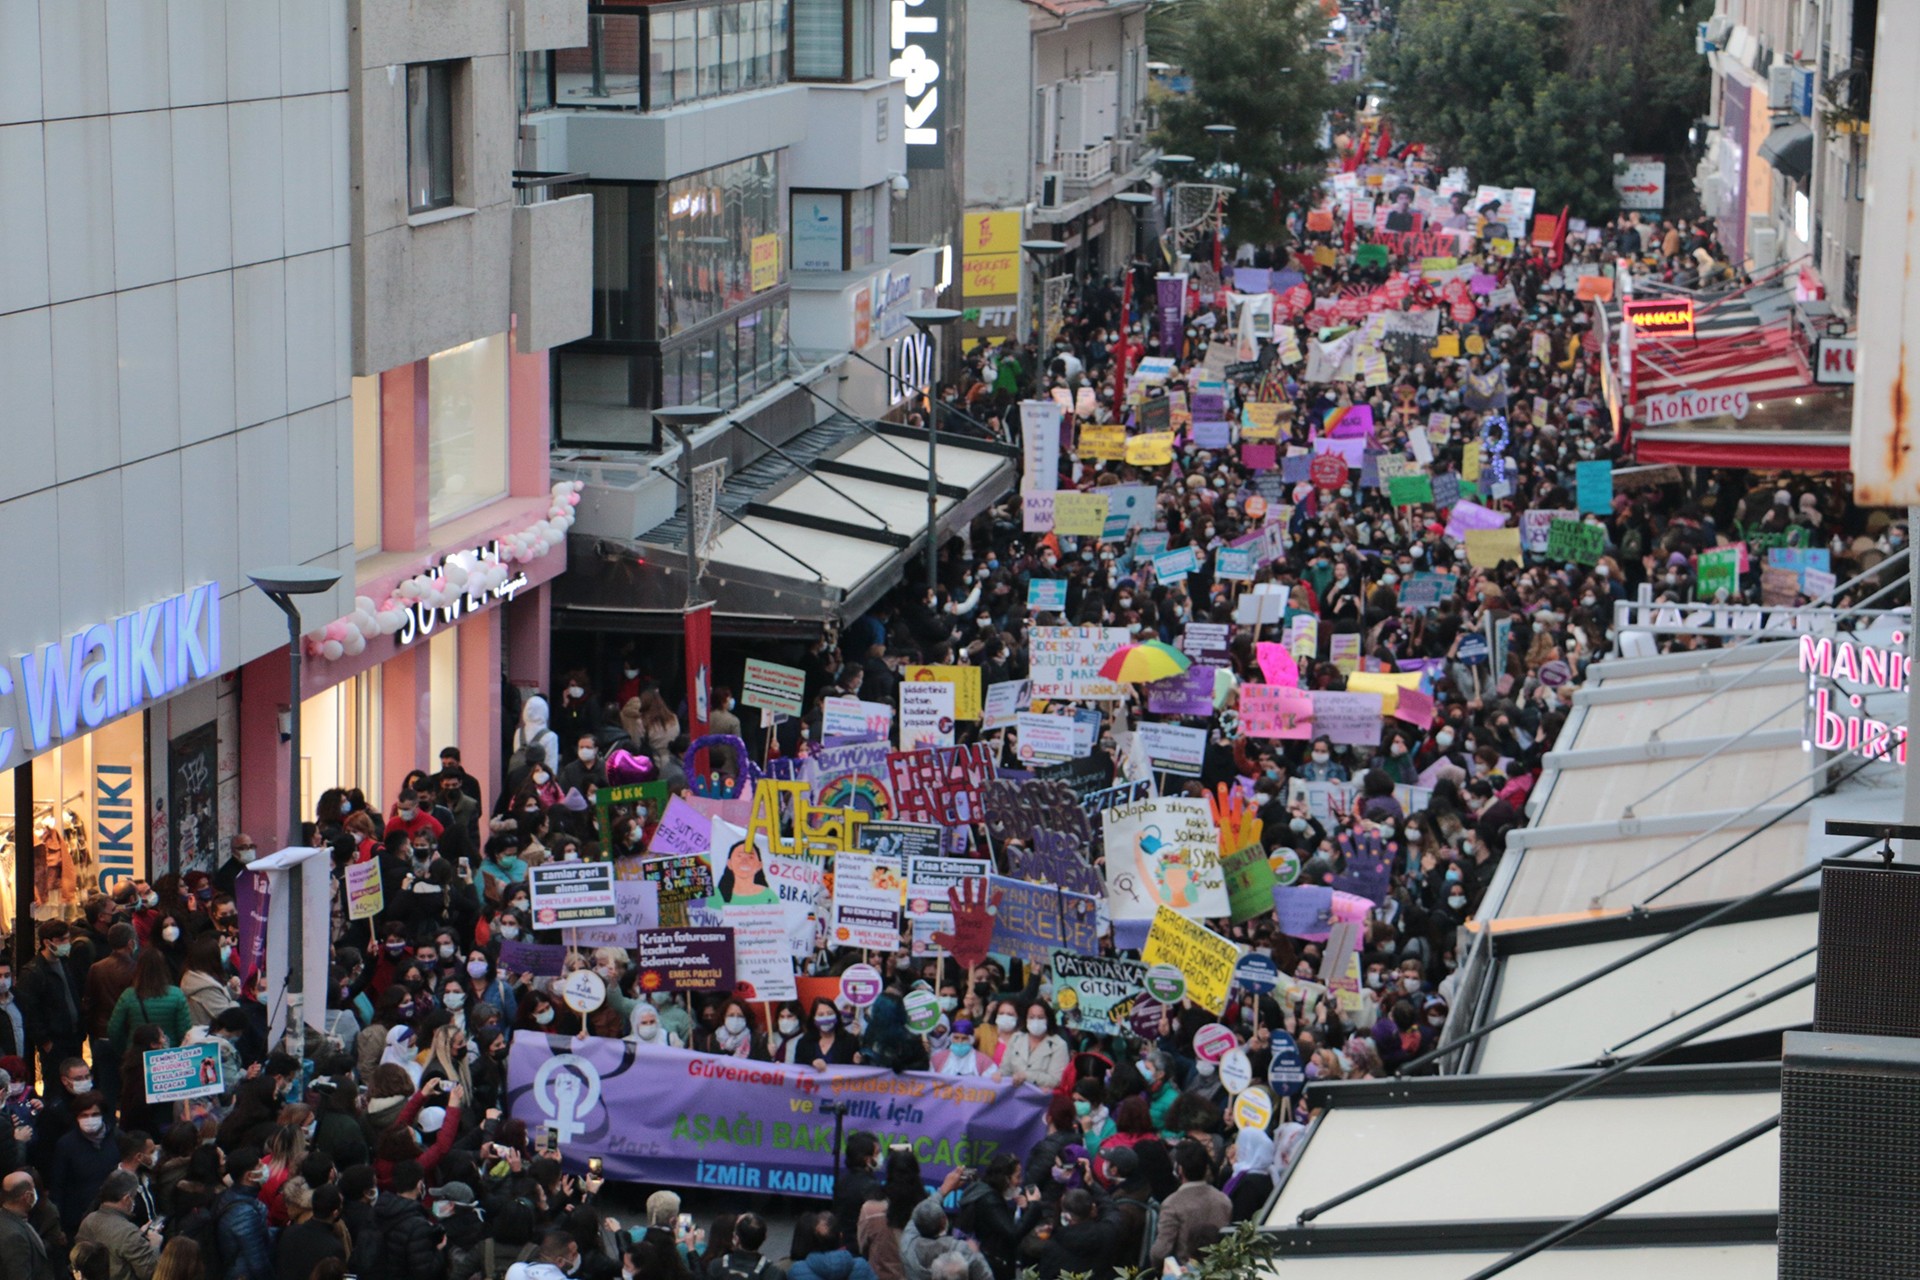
(796, 546)
(1789, 149)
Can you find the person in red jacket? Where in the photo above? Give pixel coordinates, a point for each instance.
(399, 1144)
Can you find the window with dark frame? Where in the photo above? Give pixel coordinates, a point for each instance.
(429, 136)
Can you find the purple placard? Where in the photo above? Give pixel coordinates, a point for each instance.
(537, 958)
(685, 959)
(251, 896)
(1170, 294)
(653, 1115)
(1355, 424)
(1304, 911)
(1188, 694)
(1210, 405)
(1296, 468)
(1252, 279)
(1055, 858)
(682, 829)
(1211, 435)
(1033, 921)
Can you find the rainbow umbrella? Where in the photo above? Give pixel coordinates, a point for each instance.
(1144, 663)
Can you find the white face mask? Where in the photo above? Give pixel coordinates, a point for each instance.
(543, 1017)
(1321, 757)
(1006, 1022)
(92, 1125)
(735, 1024)
(455, 999)
(1204, 1067)
(587, 754)
(948, 1004)
(509, 931)
(647, 1030)
(1036, 1026)
(170, 934)
(789, 1026)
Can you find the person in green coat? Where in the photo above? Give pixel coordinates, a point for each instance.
(152, 999)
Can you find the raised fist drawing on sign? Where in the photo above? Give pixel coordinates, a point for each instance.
(972, 922)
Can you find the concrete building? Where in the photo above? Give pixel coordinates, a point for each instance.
(271, 294)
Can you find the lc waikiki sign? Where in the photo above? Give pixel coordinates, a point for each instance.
(1839, 720)
(74, 686)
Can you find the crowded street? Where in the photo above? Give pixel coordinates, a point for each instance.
(1281, 665)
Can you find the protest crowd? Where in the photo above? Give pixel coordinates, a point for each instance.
(1053, 888)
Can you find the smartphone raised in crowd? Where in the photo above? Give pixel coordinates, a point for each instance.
(595, 1165)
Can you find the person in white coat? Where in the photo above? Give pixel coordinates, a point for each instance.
(534, 731)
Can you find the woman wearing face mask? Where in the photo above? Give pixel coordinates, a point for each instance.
(1038, 1057)
(204, 983)
(1398, 761)
(789, 1032)
(736, 1036)
(285, 1148)
(962, 1056)
(151, 1000)
(1320, 765)
(828, 1043)
(438, 1126)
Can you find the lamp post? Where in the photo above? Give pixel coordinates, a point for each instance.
(1043, 252)
(926, 321)
(281, 584)
(1220, 132)
(682, 419)
(1137, 203)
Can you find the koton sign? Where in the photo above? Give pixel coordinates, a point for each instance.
(1684, 406)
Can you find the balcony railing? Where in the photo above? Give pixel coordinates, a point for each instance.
(535, 186)
(1088, 165)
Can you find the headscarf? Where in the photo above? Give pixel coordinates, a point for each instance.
(1252, 1153)
(400, 1052)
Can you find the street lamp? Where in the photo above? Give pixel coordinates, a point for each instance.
(926, 320)
(1220, 132)
(1137, 203)
(1043, 252)
(682, 419)
(281, 584)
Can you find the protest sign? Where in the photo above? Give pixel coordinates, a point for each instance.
(1275, 711)
(685, 960)
(1173, 748)
(1249, 880)
(1349, 718)
(1045, 737)
(1055, 858)
(190, 1071)
(567, 895)
(1033, 921)
(1203, 957)
(1154, 449)
(1046, 595)
(1079, 514)
(1234, 564)
(1410, 490)
(1036, 512)
(1303, 636)
(1040, 445)
(772, 1135)
(366, 896)
(1002, 703)
(1536, 527)
(867, 892)
(1172, 566)
(1468, 516)
(1719, 571)
(926, 714)
(942, 785)
(541, 959)
(1206, 643)
(1065, 662)
(1486, 548)
(1343, 651)
(929, 878)
(1095, 993)
(1576, 540)
(965, 681)
(1414, 707)
(682, 878)
(762, 951)
(1779, 586)
(636, 906)
(1387, 684)
(1593, 483)
(1446, 490)
(898, 842)
(1102, 443)
(1163, 852)
(772, 687)
(1425, 590)
(1188, 694)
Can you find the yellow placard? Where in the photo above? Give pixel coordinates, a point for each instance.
(1387, 684)
(1306, 640)
(1324, 256)
(1262, 421)
(965, 680)
(1502, 248)
(1154, 449)
(990, 275)
(765, 257)
(1203, 957)
(1080, 514)
(990, 233)
(1446, 347)
(1476, 345)
(1439, 264)
(1486, 548)
(1470, 461)
(1103, 442)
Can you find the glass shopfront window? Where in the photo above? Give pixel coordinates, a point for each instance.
(340, 738)
(466, 427)
(90, 822)
(708, 224)
(652, 57)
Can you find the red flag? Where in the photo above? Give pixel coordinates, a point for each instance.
(1558, 254)
(1346, 232)
(1123, 348)
(1384, 146)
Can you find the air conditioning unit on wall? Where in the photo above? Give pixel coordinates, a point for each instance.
(1052, 190)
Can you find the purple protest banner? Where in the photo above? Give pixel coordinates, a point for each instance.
(537, 958)
(1304, 911)
(1211, 435)
(1252, 279)
(1468, 516)
(1188, 694)
(682, 829)
(1033, 921)
(1352, 719)
(250, 899)
(1170, 296)
(684, 1119)
(1296, 468)
(1356, 422)
(1055, 858)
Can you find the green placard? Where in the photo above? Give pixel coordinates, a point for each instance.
(1370, 255)
(1249, 881)
(1719, 571)
(1408, 491)
(1576, 540)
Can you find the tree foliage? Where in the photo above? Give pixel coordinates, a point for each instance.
(1544, 93)
(1235, 51)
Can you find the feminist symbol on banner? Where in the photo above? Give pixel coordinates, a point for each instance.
(714, 786)
(567, 1089)
(1493, 448)
(972, 922)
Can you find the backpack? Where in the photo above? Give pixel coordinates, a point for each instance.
(731, 1270)
(202, 1226)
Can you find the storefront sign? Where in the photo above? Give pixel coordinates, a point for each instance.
(1660, 317)
(765, 260)
(422, 618)
(909, 366)
(1684, 406)
(819, 231)
(1833, 361)
(74, 686)
(920, 43)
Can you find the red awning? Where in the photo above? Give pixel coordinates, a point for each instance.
(1744, 454)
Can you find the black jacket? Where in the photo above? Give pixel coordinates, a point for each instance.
(988, 1217)
(23, 1254)
(409, 1240)
(1088, 1248)
(51, 1014)
(363, 1229)
(302, 1245)
(852, 1189)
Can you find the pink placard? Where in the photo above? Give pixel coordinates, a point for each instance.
(1259, 457)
